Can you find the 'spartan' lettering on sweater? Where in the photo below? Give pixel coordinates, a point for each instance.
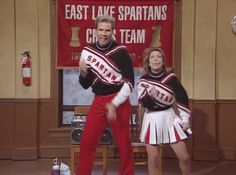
(100, 65)
(164, 95)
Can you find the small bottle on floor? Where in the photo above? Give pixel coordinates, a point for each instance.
(55, 168)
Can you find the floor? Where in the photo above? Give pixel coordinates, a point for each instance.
(170, 167)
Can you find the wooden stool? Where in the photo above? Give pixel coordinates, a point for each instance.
(74, 155)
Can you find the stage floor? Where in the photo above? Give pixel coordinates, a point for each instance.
(170, 167)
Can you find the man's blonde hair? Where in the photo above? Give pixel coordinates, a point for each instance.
(105, 18)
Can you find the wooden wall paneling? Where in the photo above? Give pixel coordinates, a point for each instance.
(205, 131)
(25, 144)
(226, 111)
(7, 114)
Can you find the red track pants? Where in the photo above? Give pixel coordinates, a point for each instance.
(95, 124)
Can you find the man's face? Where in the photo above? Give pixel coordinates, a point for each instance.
(104, 33)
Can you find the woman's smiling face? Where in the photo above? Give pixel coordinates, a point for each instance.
(156, 61)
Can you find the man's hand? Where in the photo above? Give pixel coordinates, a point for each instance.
(111, 112)
(83, 69)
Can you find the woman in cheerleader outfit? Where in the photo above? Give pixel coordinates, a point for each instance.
(166, 116)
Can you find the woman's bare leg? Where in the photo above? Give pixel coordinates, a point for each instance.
(153, 164)
(181, 152)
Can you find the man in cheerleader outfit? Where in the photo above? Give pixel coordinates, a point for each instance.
(166, 117)
(106, 67)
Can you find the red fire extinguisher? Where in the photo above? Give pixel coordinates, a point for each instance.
(26, 68)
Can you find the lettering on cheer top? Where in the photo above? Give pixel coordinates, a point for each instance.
(101, 66)
(163, 95)
(95, 63)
